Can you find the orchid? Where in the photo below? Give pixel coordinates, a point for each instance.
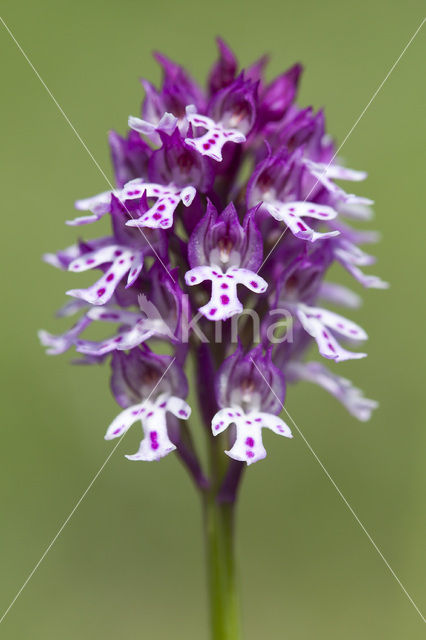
(225, 209)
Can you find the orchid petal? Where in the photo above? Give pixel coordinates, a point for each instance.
(291, 213)
(104, 288)
(341, 388)
(327, 344)
(211, 143)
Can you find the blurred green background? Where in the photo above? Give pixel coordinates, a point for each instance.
(129, 564)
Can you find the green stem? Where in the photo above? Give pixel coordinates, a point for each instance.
(219, 534)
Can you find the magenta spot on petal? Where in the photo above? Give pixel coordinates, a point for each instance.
(193, 278)
(118, 253)
(311, 210)
(301, 226)
(215, 135)
(330, 346)
(114, 433)
(135, 413)
(325, 334)
(110, 277)
(220, 276)
(248, 421)
(90, 261)
(212, 311)
(323, 214)
(229, 276)
(254, 284)
(121, 261)
(206, 146)
(101, 292)
(148, 415)
(156, 190)
(258, 419)
(231, 415)
(153, 435)
(214, 273)
(118, 339)
(157, 216)
(238, 414)
(250, 442)
(224, 286)
(216, 427)
(182, 412)
(292, 209)
(161, 207)
(340, 325)
(353, 331)
(249, 454)
(212, 141)
(162, 405)
(224, 299)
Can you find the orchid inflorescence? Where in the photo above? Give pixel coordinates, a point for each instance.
(208, 185)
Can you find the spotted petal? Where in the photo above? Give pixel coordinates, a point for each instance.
(341, 388)
(351, 258)
(167, 124)
(291, 213)
(160, 216)
(334, 321)
(211, 143)
(124, 420)
(248, 446)
(324, 175)
(224, 302)
(104, 288)
(327, 344)
(60, 343)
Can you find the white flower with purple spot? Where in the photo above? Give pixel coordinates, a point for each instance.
(152, 414)
(248, 446)
(210, 143)
(321, 324)
(123, 261)
(224, 301)
(159, 216)
(293, 214)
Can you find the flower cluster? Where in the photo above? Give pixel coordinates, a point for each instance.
(212, 187)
